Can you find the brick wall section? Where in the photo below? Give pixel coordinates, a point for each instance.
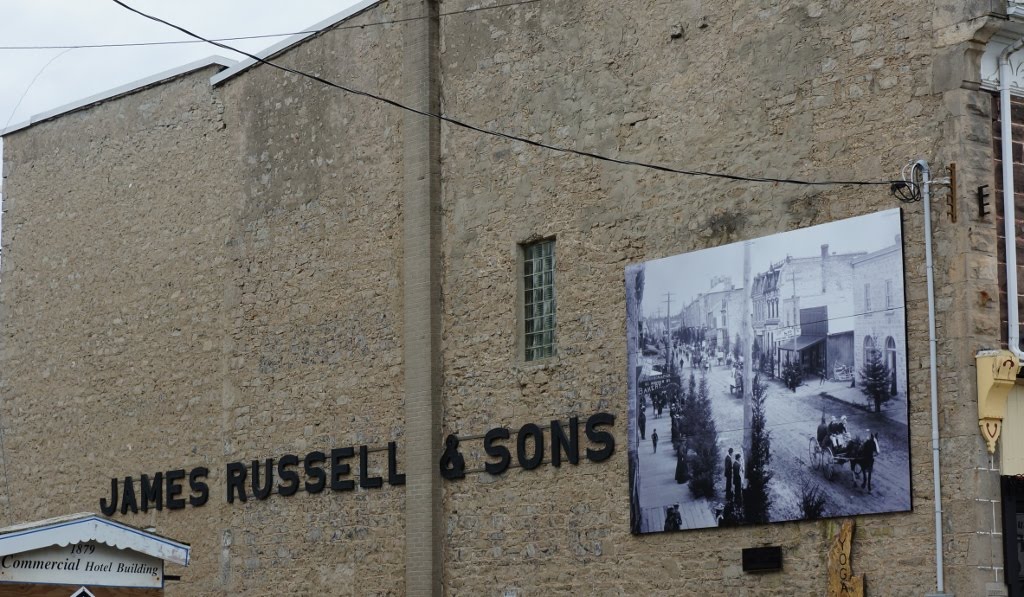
(422, 312)
(1017, 108)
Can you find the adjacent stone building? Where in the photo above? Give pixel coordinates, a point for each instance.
(876, 293)
(229, 273)
(815, 298)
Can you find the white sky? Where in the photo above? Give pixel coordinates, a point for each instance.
(80, 73)
(688, 274)
(45, 79)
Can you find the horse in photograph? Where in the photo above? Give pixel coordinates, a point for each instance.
(862, 459)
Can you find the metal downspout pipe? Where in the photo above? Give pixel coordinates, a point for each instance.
(921, 167)
(1009, 211)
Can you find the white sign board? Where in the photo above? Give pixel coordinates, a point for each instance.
(89, 563)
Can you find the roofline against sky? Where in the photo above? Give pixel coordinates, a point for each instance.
(120, 91)
(294, 40)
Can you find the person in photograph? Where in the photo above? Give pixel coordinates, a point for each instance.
(641, 423)
(654, 440)
(682, 474)
(737, 479)
(822, 431)
(838, 432)
(728, 476)
(673, 520)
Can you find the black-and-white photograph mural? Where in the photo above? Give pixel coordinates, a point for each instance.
(768, 379)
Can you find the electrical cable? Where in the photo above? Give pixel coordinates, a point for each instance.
(267, 35)
(511, 137)
(29, 87)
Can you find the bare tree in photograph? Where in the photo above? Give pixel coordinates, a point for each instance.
(875, 379)
(758, 500)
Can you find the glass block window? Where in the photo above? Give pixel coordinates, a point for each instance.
(539, 299)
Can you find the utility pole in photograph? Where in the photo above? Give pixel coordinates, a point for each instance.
(669, 356)
(747, 341)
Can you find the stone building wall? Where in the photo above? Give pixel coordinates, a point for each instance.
(196, 276)
(201, 275)
(879, 321)
(113, 329)
(862, 89)
(313, 304)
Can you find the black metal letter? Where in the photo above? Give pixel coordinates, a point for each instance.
(526, 431)
(600, 437)
(500, 452)
(200, 490)
(366, 481)
(570, 445)
(453, 465)
(108, 509)
(340, 469)
(262, 490)
(152, 493)
(394, 477)
(128, 497)
(171, 479)
(314, 472)
(284, 474)
(236, 481)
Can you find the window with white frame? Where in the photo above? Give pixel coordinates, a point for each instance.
(539, 299)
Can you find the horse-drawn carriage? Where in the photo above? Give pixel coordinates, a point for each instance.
(826, 450)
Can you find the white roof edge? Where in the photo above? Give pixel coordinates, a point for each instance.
(121, 90)
(286, 43)
(77, 528)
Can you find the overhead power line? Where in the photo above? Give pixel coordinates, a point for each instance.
(511, 137)
(29, 87)
(265, 35)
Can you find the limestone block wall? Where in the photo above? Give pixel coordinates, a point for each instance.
(203, 275)
(194, 276)
(313, 297)
(794, 89)
(113, 324)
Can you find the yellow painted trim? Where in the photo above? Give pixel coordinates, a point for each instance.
(997, 374)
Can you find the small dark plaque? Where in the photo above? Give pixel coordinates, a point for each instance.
(762, 559)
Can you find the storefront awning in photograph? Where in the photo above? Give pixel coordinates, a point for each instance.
(800, 343)
(85, 551)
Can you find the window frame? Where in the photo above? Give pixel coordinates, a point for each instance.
(526, 309)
